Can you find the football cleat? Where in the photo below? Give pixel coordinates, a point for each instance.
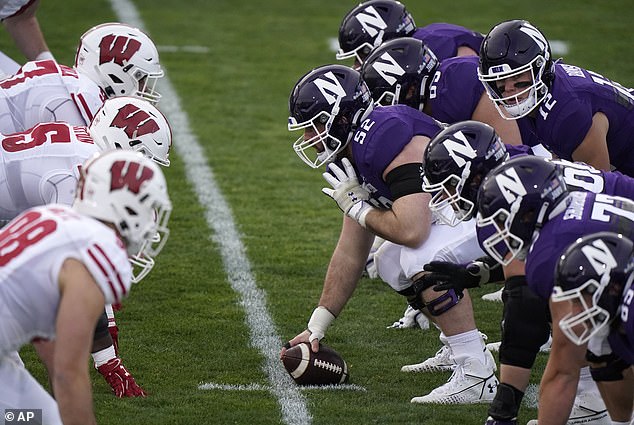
(588, 409)
(493, 296)
(471, 382)
(412, 318)
(121, 381)
(441, 362)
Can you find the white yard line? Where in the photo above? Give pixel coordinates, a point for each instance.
(220, 220)
(258, 387)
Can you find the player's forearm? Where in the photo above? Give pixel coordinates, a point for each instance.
(27, 36)
(399, 226)
(340, 283)
(74, 397)
(556, 397)
(346, 266)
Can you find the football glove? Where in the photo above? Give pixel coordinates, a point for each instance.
(350, 196)
(121, 381)
(444, 275)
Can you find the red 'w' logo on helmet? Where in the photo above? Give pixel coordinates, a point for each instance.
(130, 175)
(134, 121)
(117, 49)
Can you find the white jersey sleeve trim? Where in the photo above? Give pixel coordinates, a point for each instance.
(106, 274)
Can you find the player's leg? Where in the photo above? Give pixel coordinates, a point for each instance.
(525, 328)
(473, 380)
(387, 264)
(19, 390)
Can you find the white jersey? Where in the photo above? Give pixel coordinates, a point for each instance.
(44, 91)
(41, 166)
(33, 248)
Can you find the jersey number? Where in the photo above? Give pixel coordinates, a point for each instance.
(49, 132)
(27, 230)
(605, 208)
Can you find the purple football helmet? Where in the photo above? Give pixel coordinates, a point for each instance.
(594, 273)
(510, 49)
(514, 201)
(455, 163)
(326, 104)
(369, 25)
(400, 71)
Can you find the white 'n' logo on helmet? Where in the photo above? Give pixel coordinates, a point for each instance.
(331, 90)
(599, 256)
(389, 66)
(535, 34)
(459, 149)
(510, 185)
(371, 21)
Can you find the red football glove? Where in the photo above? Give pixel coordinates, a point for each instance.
(121, 381)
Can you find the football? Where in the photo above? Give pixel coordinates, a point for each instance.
(326, 367)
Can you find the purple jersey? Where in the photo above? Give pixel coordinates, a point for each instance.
(578, 177)
(456, 90)
(444, 39)
(565, 116)
(380, 138)
(585, 213)
(517, 150)
(623, 343)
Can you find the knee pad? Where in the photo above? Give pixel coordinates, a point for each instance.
(101, 330)
(525, 323)
(438, 305)
(611, 369)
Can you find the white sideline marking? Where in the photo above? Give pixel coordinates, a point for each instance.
(258, 387)
(264, 337)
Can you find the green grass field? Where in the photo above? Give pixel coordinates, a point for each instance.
(185, 324)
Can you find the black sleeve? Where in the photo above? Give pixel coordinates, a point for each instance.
(405, 180)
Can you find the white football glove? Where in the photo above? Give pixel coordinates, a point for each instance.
(350, 196)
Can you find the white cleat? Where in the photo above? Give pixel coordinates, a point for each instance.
(493, 296)
(441, 362)
(470, 383)
(588, 409)
(412, 318)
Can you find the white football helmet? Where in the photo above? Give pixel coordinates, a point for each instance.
(127, 190)
(132, 123)
(121, 59)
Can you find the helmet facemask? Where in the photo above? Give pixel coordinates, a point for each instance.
(591, 318)
(502, 241)
(321, 124)
(447, 202)
(519, 104)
